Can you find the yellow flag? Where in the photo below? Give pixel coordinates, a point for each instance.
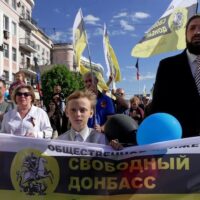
(79, 37)
(168, 33)
(110, 57)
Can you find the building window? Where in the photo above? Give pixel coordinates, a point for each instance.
(22, 61)
(14, 4)
(5, 23)
(14, 28)
(28, 63)
(6, 75)
(6, 51)
(28, 15)
(43, 61)
(14, 54)
(13, 77)
(23, 11)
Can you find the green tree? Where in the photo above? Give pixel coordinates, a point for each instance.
(60, 75)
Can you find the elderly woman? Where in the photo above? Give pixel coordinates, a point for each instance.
(26, 119)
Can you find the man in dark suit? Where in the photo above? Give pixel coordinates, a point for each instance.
(176, 91)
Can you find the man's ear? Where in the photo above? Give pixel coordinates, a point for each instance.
(66, 113)
(91, 113)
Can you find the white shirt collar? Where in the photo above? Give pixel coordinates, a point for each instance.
(84, 133)
(32, 112)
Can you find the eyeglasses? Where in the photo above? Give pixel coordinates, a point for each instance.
(25, 94)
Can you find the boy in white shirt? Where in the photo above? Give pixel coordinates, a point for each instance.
(79, 108)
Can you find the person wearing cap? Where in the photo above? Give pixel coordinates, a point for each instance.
(176, 90)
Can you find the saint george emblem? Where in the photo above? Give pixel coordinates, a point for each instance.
(31, 176)
(34, 174)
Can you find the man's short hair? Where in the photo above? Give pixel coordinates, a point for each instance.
(90, 74)
(190, 19)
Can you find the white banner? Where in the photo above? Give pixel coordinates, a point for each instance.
(54, 169)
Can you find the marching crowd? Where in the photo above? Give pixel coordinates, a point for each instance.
(83, 115)
(79, 117)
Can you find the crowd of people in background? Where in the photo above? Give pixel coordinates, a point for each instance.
(82, 113)
(82, 116)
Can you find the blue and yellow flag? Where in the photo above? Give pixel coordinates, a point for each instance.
(168, 33)
(110, 57)
(79, 37)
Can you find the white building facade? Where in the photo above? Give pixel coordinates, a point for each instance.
(21, 40)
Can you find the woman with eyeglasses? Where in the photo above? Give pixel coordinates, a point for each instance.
(26, 119)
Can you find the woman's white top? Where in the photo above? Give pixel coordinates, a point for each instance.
(36, 121)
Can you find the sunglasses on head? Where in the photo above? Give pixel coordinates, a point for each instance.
(25, 94)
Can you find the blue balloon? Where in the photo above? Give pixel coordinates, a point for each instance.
(158, 127)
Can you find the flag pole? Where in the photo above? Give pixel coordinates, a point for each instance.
(38, 81)
(138, 74)
(90, 62)
(139, 87)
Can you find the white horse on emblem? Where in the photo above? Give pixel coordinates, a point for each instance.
(42, 171)
(35, 170)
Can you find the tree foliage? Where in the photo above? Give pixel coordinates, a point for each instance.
(60, 75)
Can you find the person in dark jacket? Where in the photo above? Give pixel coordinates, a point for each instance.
(176, 91)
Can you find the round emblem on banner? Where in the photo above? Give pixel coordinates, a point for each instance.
(33, 173)
(178, 19)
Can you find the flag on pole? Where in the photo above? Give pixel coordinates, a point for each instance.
(38, 84)
(168, 33)
(110, 58)
(137, 69)
(144, 91)
(38, 78)
(79, 37)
